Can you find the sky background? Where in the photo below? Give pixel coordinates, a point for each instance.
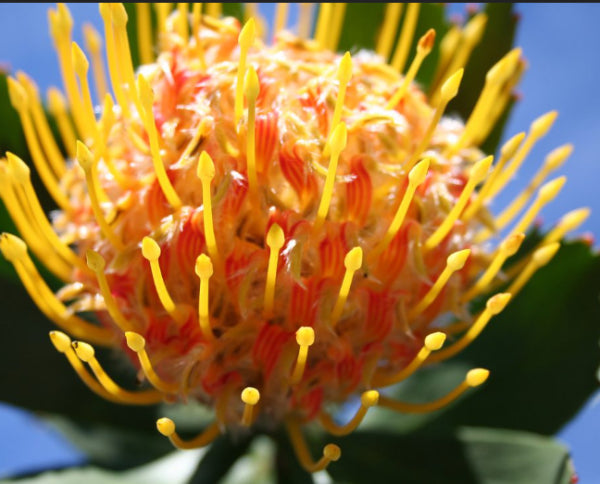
(561, 44)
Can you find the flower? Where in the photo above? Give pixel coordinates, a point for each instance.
(268, 229)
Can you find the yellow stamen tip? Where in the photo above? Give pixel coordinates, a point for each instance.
(17, 94)
(135, 342)
(426, 42)
(247, 34)
(457, 260)
(18, 168)
(353, 259)
(497, 303)
(105, 11)
(275, 237)
(204, 266)
(165, 426)
(84, 351)
(92, 38)
(369, 398)
(477, 376)
(250, 396)
(339, 138)
(551, 189)
(332, 452)
(511, 245)
(80, 62)
(575, 218)
(95, 261)
(435, 341)
(481, 169)
(558, 156)
(60, 340)
(305, 336)
(251, 84)
(150, 249)
(84, 156)
(542, 256)
(64, 16)
(542, 125)
(12, 247)
(344, 72)
(206, 167)
(450, 87)
(119, 14)
(509, 148)
(417, 175)
(475, 28)
(56, 101)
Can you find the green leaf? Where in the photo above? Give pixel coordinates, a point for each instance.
(175, 468)
(110, 447)
(471, 455)
(361, 26)
(542, 350)
(220, 457)
(36, 377)
(362, 22)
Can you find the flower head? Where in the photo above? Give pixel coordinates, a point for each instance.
(268, 228)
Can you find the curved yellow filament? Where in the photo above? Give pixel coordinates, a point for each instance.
(323, 23)
(251, 89)
(474, 378)
(406, 37)
(137, 343)
(204, 270)
(352, 263)
(331, 452)
(274, 240)
(455, 262)
(147, 100)
(206, 173)
(509, 247)
(338, 141)
(62, 343)
(86, 161)
(57, 108)
(367, 400)
(167, 428)
(245, 41)
(433, 342)
(494, 305)
(539, 259)
(449, 91)
(478, 173)
(250, 396)
(151, 252)
(144, 32)
(15, 251)
(305, 337)
(85, 353)
(424, 47)
(391, 19)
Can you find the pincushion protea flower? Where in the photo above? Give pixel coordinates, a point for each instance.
(270, 229)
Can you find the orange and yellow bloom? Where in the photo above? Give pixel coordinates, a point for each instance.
(269, 228)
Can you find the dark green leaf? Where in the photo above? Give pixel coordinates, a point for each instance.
(44, 380)
(115, 448)
(219, 459)
(361, 26)
(542, 350)
(362, 22)
(287, 467)
(469, 456)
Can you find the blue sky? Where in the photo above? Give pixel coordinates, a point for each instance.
(561, 46)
